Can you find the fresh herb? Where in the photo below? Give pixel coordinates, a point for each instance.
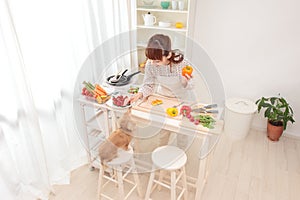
(205, 120)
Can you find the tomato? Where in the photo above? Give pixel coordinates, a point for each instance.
(187, 70)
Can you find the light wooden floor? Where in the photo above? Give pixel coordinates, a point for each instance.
(253, 168)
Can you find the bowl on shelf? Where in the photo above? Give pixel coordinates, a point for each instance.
(165, 4)
(148, 2)
(179, 25)
(164, 24)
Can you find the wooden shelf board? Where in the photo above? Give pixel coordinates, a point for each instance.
(172, 28)
(157, 9)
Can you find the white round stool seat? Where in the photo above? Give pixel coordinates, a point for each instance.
(169, 157)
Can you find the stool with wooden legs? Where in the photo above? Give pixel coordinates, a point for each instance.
(171, 159)
(120, 168)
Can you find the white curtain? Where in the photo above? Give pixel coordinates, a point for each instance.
(42, 47)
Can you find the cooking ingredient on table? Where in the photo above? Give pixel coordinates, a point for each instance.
(172, 112)
(187, 70)
(95, 92)
(121, 101)
(156, 102)
(133, 90)
(205, 120)
(185, 110)
(102, 99)
(87, 93)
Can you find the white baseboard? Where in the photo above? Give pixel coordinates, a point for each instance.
(291, 134)
(286, 133)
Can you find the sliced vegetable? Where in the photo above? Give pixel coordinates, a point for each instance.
(156, 102)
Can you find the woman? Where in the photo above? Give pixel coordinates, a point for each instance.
(164, 69)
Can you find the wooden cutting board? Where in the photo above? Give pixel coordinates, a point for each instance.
(146, 105)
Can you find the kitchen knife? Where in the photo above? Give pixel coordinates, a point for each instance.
(204, 108)
(210, 106)
(209, 111)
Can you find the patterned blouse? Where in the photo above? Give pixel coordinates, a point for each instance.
(153, 70)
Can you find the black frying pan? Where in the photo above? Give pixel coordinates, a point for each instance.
(123, 80)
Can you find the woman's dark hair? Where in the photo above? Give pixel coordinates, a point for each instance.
(159, 45)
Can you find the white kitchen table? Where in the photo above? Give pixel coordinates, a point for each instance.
(156, 116)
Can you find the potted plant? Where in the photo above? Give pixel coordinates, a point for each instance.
(278, 112)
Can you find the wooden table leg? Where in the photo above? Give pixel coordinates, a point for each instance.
(201, 178)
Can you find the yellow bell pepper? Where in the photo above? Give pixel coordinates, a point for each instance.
(172, 112)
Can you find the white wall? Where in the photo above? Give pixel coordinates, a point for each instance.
(255, 45)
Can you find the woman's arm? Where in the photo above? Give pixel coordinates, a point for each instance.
(149, 81)
(148, 84)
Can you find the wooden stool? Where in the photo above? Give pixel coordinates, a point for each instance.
(119, 174)
(172, 159)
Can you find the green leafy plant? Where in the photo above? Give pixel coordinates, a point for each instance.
(278, 111)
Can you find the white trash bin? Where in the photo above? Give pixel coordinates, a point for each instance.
(238, 117)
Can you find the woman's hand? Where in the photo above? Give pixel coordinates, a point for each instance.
(186, 79)
(135, 97)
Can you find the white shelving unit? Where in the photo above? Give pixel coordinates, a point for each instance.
(98, 121)
(177, 35)
(95, 131)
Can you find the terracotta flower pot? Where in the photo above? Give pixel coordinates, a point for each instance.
(274, 131)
